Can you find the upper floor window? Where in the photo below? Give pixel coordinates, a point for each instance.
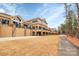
(25, 26)
(17, 24)
(5, 21)
(36, 27)
(33, 27)
(40, 27)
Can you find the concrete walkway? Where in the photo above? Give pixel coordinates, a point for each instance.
(66, 48)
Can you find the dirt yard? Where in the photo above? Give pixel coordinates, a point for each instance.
(38, 46)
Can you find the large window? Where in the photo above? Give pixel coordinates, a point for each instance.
(4, 21)
(17, 24)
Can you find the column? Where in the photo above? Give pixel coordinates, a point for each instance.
(41, 33)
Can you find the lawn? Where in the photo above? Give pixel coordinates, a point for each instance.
(38, 46)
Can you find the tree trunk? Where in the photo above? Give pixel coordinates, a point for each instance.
(77, 5)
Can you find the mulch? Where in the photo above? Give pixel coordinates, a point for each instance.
(73, 40)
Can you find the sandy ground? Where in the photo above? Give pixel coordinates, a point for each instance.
(36, 46)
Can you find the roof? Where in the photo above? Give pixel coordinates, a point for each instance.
(4, 14)
(18, 17)
(35, 19)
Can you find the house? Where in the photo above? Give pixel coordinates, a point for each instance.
(37, 26)
(11, 26)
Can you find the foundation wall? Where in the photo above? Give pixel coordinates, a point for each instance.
(9, 31)
(28, 32)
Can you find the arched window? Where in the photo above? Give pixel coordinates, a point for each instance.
(36, 27)
(29, 26)
(33, 27)
(39, 27)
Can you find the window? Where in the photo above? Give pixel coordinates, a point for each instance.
(16, 24)
(43, 28)
(5, 21)
(36, 27)
(29, 26)
(25, 26)
(40, 27)
(33, 33)
(19, 25)
(33, 27)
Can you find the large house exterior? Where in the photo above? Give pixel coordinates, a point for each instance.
(38, 26)
(11, 26)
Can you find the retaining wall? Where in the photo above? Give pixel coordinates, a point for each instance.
(6, 31)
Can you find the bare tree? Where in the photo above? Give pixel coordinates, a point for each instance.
(66, 9)
(77, 6)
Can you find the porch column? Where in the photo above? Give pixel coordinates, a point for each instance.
(35, 33)
(41, 33)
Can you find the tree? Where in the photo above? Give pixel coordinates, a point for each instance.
(77, 6)
(74, 25)
(68, 22)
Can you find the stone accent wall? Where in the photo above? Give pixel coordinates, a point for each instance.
(19, 32)
(5, 31)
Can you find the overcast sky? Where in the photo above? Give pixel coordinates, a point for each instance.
(53, 13)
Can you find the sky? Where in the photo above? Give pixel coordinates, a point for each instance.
(52, 12)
